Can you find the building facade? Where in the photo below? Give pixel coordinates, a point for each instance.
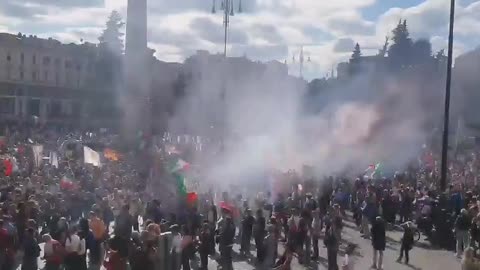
(44, 78)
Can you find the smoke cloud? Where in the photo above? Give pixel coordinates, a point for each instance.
(373, 118)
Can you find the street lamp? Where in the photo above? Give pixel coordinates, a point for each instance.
(227, 6)
(443, 179)
(302, 60)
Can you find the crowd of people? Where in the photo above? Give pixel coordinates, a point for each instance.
(89, 217)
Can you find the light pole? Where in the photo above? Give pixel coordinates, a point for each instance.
(227, 6)
(301, 60)
(443, 179)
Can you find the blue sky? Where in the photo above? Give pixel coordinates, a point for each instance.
(267, 30)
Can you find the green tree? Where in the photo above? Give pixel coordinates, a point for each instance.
(421, 52)
(357, 53)
(112, 38)
(355, 65)
(400, 52)
(110, 54)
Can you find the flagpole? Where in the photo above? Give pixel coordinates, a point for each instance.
(443, 179)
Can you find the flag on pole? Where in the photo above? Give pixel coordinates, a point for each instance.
(180, 165)
(91, 157)
(177, 170)
(66, 183)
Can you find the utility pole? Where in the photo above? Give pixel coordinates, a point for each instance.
(444, 169)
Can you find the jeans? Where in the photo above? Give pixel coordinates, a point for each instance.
(379, 262)
(463, 241)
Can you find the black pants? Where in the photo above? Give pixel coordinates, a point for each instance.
(332, 258)
(245, 244)
(186, 260)
(226, 258)
(403, 250)
(204, 260)
(135, 224)
(316, 253)
(260, 249)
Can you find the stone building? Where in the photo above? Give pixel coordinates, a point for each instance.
(44, 78)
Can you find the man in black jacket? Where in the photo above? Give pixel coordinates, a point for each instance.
(247, 227)
(259, 235)
(225, 243)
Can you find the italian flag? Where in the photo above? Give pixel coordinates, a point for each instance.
(177, 171)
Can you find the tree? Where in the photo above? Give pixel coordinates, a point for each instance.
(421, 52)
(109, 61)
(400, 52)
(354, 66)
(111, 38)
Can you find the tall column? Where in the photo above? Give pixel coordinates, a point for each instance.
(137, 71)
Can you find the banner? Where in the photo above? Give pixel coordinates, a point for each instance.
(91, 157)
(37, 154)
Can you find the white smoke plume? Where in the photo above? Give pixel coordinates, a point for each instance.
(374, 118)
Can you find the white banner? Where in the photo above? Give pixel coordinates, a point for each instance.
(91, 157)
(37, 154)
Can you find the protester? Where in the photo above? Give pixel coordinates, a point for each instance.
(462, 227)
(406, 242)
(378, 234)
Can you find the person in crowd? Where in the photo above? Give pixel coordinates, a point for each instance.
(407, 241)
(204, 245)
(95, 246)
(332, 244)
(298, 229)
(247, 231)
(53, 253)
(75, 248)
(316, 232)
(259, 234)
(270, 245)
(468, 261)
(225, 243)
(31, 251)
(462, 227)
(378, 234)
(114, 260)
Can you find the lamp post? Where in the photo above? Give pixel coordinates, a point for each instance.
(443, 179)
(227, 6)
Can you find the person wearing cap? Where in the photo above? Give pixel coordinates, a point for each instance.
(225, 243)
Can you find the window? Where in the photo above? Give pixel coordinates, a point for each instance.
(34, 75)
(45, 75)
(68, 64)
(21, 75)
(79, 67)
(34, 59)
(57, 62)
(57, 79)
(7, 105)
(22, 58)
(46, 60)
(9, 57)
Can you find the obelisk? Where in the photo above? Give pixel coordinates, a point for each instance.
(137, 71)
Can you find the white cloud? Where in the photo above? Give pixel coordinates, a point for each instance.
(281, 25)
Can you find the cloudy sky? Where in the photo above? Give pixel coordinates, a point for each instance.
(266, 30)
